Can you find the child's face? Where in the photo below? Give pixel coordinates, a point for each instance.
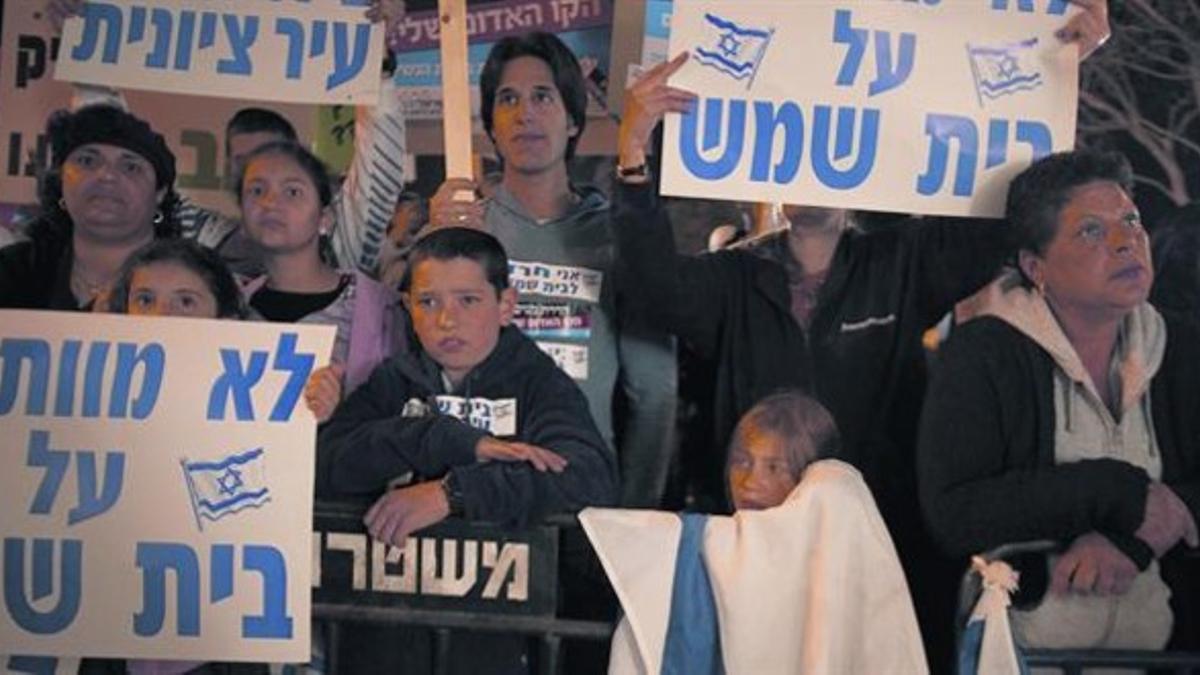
(170, 289)
(281, 206)
(456, 313)
(760, 474)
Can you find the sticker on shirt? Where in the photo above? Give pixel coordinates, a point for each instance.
(554, 321)
(498, 417)
(555, 281)
(571, 359)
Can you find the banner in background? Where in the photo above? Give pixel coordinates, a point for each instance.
(584, 25)
(905, 107)
(157, 495)
(294, 52)
(194, 126)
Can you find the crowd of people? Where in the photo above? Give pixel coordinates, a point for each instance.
(462, 384)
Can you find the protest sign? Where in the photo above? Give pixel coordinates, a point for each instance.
(293, 52)
(158, 493)
(193, 127)
(585, 26)
(893, 106)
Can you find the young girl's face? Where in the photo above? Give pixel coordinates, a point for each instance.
(281, 206)
(760, 474)
(170, 289)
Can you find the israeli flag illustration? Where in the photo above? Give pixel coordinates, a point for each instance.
(220, 488)
(734, 50)
(1005, 70)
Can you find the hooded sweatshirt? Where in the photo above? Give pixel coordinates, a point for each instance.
(405, 422)
(562, 270)
(1085, 429)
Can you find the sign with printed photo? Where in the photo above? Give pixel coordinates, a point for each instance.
(892, 106)
(585, 26)
(158, 493)
(296, 52)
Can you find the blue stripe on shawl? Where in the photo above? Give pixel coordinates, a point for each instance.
(693, 644)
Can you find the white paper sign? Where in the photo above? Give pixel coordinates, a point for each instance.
(916, 107)
(194, 127)
(158, 482)
(295, 52)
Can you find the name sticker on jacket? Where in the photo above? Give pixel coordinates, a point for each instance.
(553, 321)
(571, 359)
(498, 417)
(556, 281)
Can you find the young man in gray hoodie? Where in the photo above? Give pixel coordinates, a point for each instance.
(533, 104)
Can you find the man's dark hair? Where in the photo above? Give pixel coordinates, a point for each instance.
(253, 120)
(448, 243)
(1176, 246)
(201, 261)
(1038, 194)
(568, 77)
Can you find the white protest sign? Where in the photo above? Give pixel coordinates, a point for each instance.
(195, 131)
(295, 52)
(893, 106)
(158, 488)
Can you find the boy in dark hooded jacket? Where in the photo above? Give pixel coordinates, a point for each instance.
(482, 423)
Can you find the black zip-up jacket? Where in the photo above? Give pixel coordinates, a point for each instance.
(390, 426)
(862, 355)
(36, 274)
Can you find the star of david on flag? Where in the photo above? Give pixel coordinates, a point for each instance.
(219, 488)
(1005, 70)
(734, 50)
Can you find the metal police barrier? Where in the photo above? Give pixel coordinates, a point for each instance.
(452, 576)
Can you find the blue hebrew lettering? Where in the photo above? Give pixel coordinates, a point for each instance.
(241, 37)
(855, 40)
(348, 60)
(274, 621)
(300, 366)
(942, 128)
(767, 122)
(724, 165)
(868, 138)
(54, 461)
(997, 152)
(92, 504)
(1055, 7)
(208, 29)
(154, 559)
(14, 351)
(1037, 135)
(236, 383)
(294, 31)
(69, 581)
(152, 359)
(64, 391)
(95, 13)
(163, 25)
(34, 665)
(317, 46)
(183, 40)
(93, 378)
(221, 573)
(886, 76)
(137, 25)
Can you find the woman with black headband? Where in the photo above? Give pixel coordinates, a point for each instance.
(108, 192)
